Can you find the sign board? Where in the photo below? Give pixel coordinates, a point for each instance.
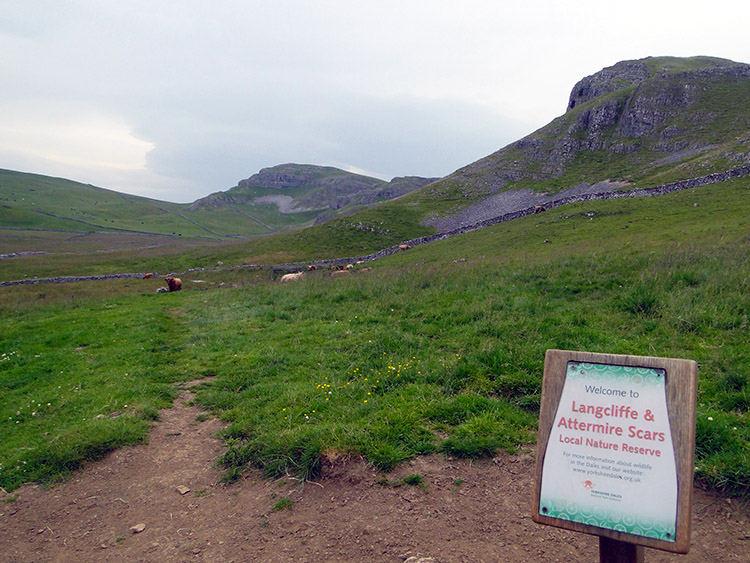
(615, 447)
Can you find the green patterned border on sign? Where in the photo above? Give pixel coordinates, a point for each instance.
(611, 520)
(602, 373)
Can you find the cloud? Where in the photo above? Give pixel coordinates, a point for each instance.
(388, 137)
(176, 99)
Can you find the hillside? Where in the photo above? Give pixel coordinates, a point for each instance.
(636, 124)
(33, 201)
(438, 349)
(276, 199)
(291, 194)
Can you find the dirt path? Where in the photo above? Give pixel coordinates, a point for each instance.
(470, 512)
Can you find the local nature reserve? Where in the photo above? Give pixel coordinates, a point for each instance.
(541, 356)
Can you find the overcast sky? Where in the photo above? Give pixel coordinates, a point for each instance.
(178, 99)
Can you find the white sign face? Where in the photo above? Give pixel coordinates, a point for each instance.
(610, 460)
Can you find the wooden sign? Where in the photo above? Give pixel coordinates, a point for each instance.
(616, 446)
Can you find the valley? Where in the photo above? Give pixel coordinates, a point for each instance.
(406, 393)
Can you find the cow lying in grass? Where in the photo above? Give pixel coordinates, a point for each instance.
(174, 284)
(341, 273)
(291, 277)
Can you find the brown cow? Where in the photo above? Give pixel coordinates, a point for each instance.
(148, 276)
(539, 208)
(174, 284)
(404, 246)
(311, 268)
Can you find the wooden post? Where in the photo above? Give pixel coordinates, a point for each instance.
(615, 551)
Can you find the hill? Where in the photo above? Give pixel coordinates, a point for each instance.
(33, 201)
(638, 124)
(280, 193)
(275, 199)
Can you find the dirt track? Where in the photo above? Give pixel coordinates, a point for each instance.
(470, 511)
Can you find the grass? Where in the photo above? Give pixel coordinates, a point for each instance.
(439, 349)
(79, 381)
(284, 503)
(31, 201)
(414, 480)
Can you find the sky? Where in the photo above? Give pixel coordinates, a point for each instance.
(174, 100)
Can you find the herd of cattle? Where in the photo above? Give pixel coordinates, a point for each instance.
(336, 271)
(175, 284)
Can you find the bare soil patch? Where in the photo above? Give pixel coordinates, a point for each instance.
(133, 506)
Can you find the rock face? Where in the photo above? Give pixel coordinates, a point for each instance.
(649, 100)
(305, 187)
(623, 74)
(287, 176)
(634, 115)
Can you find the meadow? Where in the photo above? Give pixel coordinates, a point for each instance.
(438, 349)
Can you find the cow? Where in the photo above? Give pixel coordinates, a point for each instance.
(539, 208)
(148, 276)
(174, 284)
(311, 268)
(404, 246)
(292, 277)
(363, 270)
(341, 273)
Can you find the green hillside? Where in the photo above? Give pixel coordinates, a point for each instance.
(439, 349)
(41, 202)
(254, 207)
(31, 201)
(657, 120)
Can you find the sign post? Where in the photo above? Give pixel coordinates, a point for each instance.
(615, 450)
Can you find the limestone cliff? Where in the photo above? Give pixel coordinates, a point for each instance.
(299, 188)
(628, 120)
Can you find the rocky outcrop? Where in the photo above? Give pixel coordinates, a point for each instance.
(316, 188)
(646, 100)
(611, 79)
(286, 176)
(624, 119)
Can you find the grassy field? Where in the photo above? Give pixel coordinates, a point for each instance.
(438, 349)
(78, 254)
(32, 201)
